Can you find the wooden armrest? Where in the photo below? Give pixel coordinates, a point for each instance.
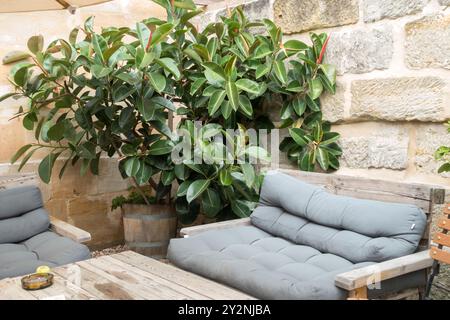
(67, 230)
(190, 231)
(362, 277)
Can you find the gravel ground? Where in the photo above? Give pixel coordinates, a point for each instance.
(443, 279)
(109, 251)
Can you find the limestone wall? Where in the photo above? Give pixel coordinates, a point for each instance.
(85, 201)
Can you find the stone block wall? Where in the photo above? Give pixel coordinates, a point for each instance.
(393, 86)
(82, 201)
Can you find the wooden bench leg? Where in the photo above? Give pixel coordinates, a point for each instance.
(358, 294)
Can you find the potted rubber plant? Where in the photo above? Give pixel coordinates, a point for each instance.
(104, 94)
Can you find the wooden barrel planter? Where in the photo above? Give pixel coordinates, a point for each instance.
(148, 229)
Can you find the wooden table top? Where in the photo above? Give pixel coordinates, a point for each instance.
(122, 276)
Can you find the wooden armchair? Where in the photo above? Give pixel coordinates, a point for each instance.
(356, 282)
(69, 231)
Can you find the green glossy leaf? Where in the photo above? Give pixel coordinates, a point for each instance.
(56, 132)
(158, 81)
(169, 65)
(214, 73)
(262, 51)
(46, 166)
(226, 109)
(329, 138)
(36, 44)
(144, 173)
(160, 147)
(299, 106)
(196, 189)
(161, 33)
(329, 71)
(258, 153)
(249, 174)
(242, 208)
(299, 136)
(216, 101)
(132, 166)
(315, 88)
(183, 188)
(233, 95)
(225, 177)
(295, 45)
(262, 70)
(20, 153)
(196, 85)
(167, 177)
(245, 106)
(211, 203)
(249, 86)
(322, 159)
(280, 71)
(143, 34)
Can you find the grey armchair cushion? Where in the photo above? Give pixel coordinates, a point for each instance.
(17, 201)
(46, 248)
(25, 239)
(268, 267)
(22, 227)
(355, 229)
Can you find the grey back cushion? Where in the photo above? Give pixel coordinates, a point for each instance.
(17, 201)
(355, 229)
(21, 214)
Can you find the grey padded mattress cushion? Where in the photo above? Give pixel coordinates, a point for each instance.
(17, 201)
(267, 267)
(46, 248)
(355, 229)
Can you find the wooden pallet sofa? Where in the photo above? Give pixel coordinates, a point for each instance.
(30, 238)
(319, 236)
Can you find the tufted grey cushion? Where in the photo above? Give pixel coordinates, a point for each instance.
(19, 228)
(17, 201)
(46, 248)
(25, 241)
(268, 267)
(355, 229)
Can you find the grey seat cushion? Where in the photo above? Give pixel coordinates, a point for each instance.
(25, 226)
(46, 248)
(17, 201)
(355, 229)
(264, 266)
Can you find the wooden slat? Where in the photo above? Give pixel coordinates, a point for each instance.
(176, 291)
(358, 294)
(382, 196)
(444, 224)
(358, 278)
(69, 231)
(122, 279)
(440, 255)
(443, 239)
(11, 289)
(189, 280)
(190, 231)
(99, 286)
(408, 190)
